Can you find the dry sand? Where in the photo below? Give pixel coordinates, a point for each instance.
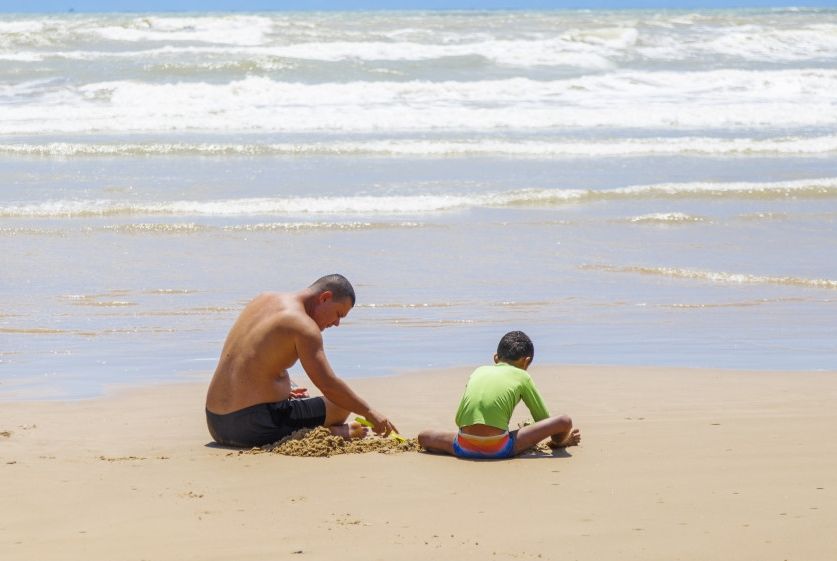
(675, 464)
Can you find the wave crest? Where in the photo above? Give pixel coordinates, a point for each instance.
(719, 277)
(732, 99)
(416, 204)
(788, 146)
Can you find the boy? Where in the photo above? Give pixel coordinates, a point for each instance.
(490, 397)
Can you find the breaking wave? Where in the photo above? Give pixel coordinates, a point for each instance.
(719, 277)
(788, 146)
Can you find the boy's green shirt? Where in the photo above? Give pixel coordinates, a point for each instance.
(493, 392)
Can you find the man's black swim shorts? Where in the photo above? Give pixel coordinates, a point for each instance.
(265, 423)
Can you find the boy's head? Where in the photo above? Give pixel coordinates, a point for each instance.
(515, 348)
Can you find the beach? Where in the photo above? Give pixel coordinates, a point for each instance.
(674, 464)
(651, 194)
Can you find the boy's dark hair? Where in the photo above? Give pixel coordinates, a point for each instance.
(338, 285)
(515, 345)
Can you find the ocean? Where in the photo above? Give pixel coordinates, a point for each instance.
(628, 187)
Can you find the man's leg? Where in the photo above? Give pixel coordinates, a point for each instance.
(335, 421)
(559, 429)
(437, 441)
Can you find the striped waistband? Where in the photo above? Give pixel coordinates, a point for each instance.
(483, 444)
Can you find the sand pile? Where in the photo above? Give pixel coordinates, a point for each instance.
(319, 442)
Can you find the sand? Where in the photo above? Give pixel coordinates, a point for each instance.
(675, 464)
(320, 443)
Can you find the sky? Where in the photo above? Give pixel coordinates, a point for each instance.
(29, 6)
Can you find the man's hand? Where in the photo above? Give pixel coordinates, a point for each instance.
(298, 393)
(380, 424)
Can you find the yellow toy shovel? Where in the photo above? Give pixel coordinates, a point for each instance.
(393, 434)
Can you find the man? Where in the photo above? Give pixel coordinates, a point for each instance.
(251, 402)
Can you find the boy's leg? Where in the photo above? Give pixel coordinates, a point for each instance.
(559, 429)
(437, 441)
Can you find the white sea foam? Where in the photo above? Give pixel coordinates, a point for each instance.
(667, 218)
(21, 26)
(551, 52)
(56, 31)
(26, 231)
(420, 204)
(241, 207)
(151, 228)
(305, 226)
(823, 187)
(185, 228)
(755, 42)
(787, 146)
(193, 228)
(724, 98)
(717, 276)
(277, 58)
(620, 73)
(21, 57)
(228, 29)
(523, 53)
(557, 39)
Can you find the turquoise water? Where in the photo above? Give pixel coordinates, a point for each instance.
(628, 188)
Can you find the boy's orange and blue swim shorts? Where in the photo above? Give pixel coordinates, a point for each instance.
(484, 447)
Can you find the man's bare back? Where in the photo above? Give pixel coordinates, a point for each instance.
(259, 349)
(271, 334)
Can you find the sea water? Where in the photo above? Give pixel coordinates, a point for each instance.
(630, 187)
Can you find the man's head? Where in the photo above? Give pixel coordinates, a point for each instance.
(515, 348)
(333, 298)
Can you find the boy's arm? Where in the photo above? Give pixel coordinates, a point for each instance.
(533, 400)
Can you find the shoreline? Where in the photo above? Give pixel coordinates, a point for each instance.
(695, 465)
(113, 389)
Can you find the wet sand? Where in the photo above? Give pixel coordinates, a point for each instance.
(674, 464)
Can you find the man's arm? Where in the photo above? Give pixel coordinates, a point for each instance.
(312, 357)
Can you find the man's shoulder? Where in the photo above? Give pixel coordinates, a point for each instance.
(271, 299)
(295, 318)
(284, 311)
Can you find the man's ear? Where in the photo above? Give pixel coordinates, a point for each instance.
(526, 362)
(325, 296)
(496, 358)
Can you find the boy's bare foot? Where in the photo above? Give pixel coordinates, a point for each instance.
(349, 430)
(571, 439)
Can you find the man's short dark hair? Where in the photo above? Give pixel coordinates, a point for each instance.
(338, 285)
(515, 345)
